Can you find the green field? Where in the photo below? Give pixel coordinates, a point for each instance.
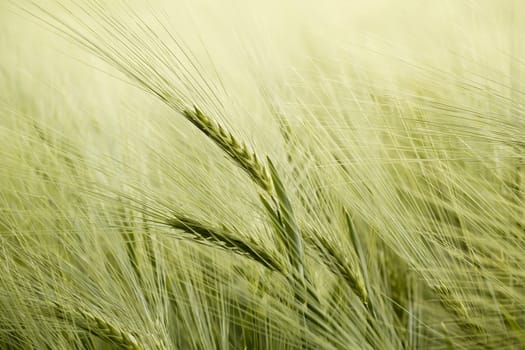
(262, 175)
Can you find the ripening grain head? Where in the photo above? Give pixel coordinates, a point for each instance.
(277, 175)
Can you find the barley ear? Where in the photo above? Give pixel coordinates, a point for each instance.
(512, 323)
(222, 239)
(97, 326)
(451, 303)
(338, 266)
(236, 149)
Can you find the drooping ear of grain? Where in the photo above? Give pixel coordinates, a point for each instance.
(362, 187)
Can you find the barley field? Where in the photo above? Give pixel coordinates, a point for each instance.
(280, 174)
